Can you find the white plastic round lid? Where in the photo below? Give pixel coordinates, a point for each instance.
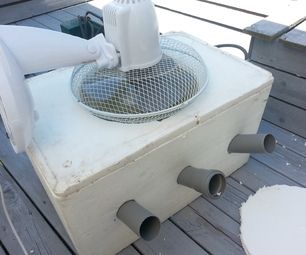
(273, 221)
(16, 106)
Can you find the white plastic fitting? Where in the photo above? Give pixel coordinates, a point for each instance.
(131, 25)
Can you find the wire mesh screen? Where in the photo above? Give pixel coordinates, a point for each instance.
(142, 95)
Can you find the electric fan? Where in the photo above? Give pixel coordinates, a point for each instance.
(136, 76)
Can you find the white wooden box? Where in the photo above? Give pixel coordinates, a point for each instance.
(90, 167)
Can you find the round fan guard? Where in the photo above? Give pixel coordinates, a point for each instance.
(142, 95)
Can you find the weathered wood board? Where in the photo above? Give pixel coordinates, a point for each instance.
(129, 251)
(287, 116)
(288, 140)
(235, 194)
(33, 230)
(19, 166)
(279, 56)
(10, 2)
(27, 9)
(48, 21)
(62, 15)
(287, 163)
(262, 8)
(296, 37)
(2, 251)
(258, 8)
(226, 17)
(30, 23)
(205, 234)
(255, 175)
(285, 57)
(280, 20)
(217, 219)
(171, 240)
(287, 87)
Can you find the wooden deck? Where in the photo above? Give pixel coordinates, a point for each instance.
(205, 226)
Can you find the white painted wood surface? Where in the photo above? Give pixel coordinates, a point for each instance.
(221, 15)
(264, 7)
(89, 166)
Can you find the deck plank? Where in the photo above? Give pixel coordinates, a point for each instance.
(217, 218)
(282, 19)
(255, 175)
(296, 37)
(28, 9)
(61, 15)
(171, 240)
(279, 56)
(287, 87)
(81, 9)
(35, 233)
(130, 250)
(48, 21)
(259, 7)
(222, 16)
(213, 34)
(235, 194)
(286, 116)
(284, 137)
(2, 252)
(31, 23)
(21, 168)
(205, 234)
(285, 162)
(76, 10)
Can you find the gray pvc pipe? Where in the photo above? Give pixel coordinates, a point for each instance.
(211, 183)
(142, 222)
(253, 143)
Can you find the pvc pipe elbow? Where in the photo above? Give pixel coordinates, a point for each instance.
(252, 143)
(211, 183)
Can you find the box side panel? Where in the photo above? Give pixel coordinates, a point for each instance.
(90, 214)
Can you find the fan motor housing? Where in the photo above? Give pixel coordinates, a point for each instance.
(132, 26)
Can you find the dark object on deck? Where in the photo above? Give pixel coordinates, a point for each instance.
(142, 222)
(254, 143)
(83, 26)
(211, 183)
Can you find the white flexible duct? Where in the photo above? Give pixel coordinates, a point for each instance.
(37, 49)
(26, 50)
